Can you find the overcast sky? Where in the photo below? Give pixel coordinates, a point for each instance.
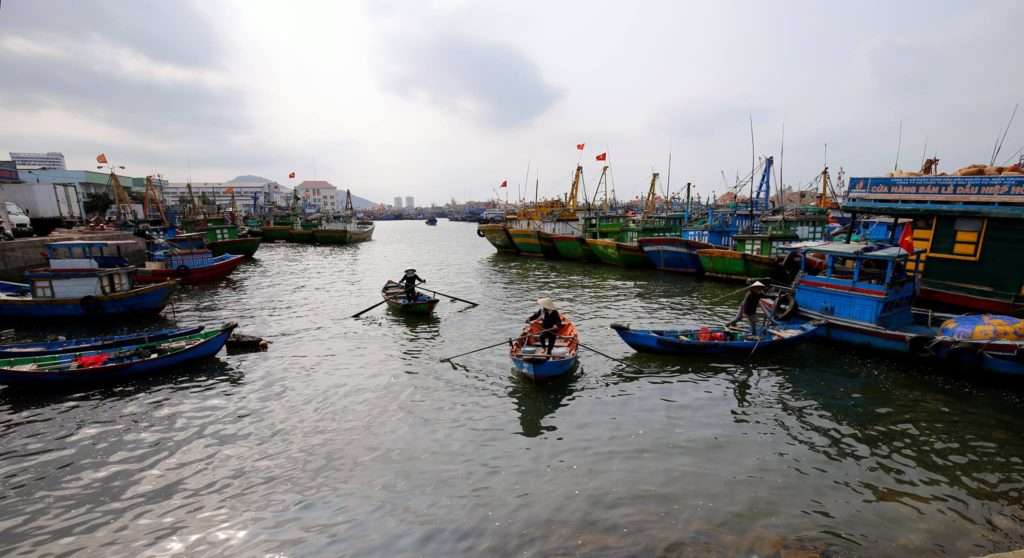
(447, 99)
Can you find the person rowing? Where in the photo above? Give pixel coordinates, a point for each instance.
(748, 308)
(550, 321)
(409, 282)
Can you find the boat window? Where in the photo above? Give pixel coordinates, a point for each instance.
(873, 271)
(958, 238)
(42, 289)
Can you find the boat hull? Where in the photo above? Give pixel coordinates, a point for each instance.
(621, 254)
(137, 368)
(730, 264)
(146, 300)
(235, 246)
(191, 276)
(669, 253)
(394, 294)
(497, 235)
(540, 370)
(547, 245)
(571, 247)
(275, 233)
(669, 342)
(527, 241)
(330, 236)
(301, 236)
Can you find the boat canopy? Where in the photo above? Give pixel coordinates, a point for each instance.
(852, 250)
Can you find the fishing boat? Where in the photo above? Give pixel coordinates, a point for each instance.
(530, 359)
(755, 256)
(346, 231)
(622, 253)
(81, 344)
(432, 221)
(674, 253)
(572, 247)
(190, 267)
(497, 234)
(394, 294)
(276, 229)
(85, 279)
(713, 340)
(119, 363)
(226, 239)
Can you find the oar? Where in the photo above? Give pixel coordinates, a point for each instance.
(611, 357)
(360, 313)
(476, 350)
(449, 296)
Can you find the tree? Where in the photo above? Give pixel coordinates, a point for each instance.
(97, 203)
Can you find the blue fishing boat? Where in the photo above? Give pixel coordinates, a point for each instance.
(121, 363)
(431, 220)
(43, 348)
(530, 359)
(84, 279)
(713, 340)
(674, 253)
(8, 287)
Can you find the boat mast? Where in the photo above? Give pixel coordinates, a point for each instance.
(650, 204)
(151, 191)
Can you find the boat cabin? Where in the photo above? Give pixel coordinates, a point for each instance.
(763, 244)
(859, 282)
(970, 229)
(75, 254)
(76, 284)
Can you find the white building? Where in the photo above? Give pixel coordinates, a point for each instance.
(398, 202)
(248, 191)
(319, 196)
(410, 203)
(49, 160)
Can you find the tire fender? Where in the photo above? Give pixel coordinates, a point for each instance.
(785, 306)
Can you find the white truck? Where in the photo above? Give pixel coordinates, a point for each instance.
(13, 221)
(46, 206)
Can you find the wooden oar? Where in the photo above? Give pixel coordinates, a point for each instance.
(449, 296)
(360, 313)
(611, 357)
(476, 350)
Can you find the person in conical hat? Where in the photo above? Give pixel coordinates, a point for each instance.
(409, 280)
(748, 308)
(550, 321)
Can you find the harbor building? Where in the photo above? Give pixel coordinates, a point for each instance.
(410, 203)
(398, 202)
(319, 196)
(252, 194)
(969, 227)
(49, 160)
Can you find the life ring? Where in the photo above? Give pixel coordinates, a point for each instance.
(785, 306)
(91, 305)
(182, 270)
(480, 233)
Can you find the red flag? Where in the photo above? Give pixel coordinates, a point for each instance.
(579, 146)
(602, 157)
(101, 158)
(504, 184)
(291, 174)
(907, 238)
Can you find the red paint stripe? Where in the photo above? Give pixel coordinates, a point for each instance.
(969, 301)
(832, 287)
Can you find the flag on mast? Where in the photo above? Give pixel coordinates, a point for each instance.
(504, 184)
(579, 146)
(603, 156)
(101, 158)
(291, 174)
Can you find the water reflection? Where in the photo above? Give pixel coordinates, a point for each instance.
(536, 402)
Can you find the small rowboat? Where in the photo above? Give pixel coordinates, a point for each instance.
(532, 361)
(712, 340)
(117, 364)
(43, 348)
(394, 294)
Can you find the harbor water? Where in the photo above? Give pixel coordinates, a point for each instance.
(349, 437)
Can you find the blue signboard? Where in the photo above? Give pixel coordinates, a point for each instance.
(984, 189)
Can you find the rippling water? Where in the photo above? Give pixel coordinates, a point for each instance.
(349, 438)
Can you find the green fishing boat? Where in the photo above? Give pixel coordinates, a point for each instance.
(527, 241)
(547, 245)
(755, 256)
(497, 234)
(572, 247)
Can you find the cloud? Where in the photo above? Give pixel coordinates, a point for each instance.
(490, 81)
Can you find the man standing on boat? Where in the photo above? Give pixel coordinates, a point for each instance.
(409, 281)
(748, 308)
(550, 320)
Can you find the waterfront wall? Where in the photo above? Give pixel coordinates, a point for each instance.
(17, 256)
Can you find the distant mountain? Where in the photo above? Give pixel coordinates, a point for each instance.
(362, 203)
(249, 179)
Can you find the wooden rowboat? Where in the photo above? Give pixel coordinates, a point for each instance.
(712, 340)
(115, 364)
(43, 348)
(394, 294)
(532, 361)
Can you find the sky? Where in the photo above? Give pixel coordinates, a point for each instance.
(447, 99)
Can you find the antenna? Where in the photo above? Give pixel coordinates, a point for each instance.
(999, 141)
(924, 152)
(899, 145)
(752, 165)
